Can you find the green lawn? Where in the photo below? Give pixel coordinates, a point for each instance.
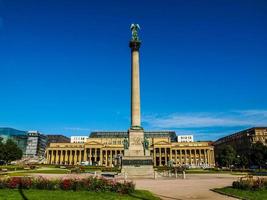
(244, 194)
(49, 171)
(8, 194)
(203, 171)
(39, 171)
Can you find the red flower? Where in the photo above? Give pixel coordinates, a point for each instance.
(66, 184)
(14, 182)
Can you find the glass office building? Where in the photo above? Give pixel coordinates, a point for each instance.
(18, 136)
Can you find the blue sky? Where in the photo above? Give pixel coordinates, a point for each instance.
(65, 65)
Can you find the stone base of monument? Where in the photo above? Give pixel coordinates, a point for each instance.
(137, 167)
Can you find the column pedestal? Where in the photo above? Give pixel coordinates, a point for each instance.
(137, 161)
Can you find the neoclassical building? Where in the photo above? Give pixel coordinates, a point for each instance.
(106, 148)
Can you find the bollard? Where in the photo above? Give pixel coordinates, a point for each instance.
(125, 176)
(155, 175)
(183, 174)
(176, 174)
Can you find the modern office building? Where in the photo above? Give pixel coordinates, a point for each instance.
(18, 136)
(36, 144)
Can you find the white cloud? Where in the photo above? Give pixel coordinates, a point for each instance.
(205, 120)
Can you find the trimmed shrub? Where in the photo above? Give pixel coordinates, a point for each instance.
(248, 183)
(96, 184)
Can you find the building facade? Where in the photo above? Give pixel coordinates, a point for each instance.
(78, 139)
(242, 140)
(36, 144)
(106, 148)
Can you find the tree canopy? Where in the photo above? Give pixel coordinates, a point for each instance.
(255, 156)
(258, 154)
(227, 156)
(9, 151)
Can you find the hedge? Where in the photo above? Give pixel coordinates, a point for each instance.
(90, 184)
(249, 183)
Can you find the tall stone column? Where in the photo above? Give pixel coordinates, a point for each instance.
(61, 157)
(85, 155)
(101, 157)
(106, 158)
(136, 146)
(80, 156)
(47, 157)
(135, 85)
(75, 157)
(57, 157)
(52, 157)
(71, 157)
(180, 151)
(154, 156)
(66, 157)
(160, 156)
(185, 152)
(176, 157)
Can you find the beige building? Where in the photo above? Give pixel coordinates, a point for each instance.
(242, 140)
(106, 148)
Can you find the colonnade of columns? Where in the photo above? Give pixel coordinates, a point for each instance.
(111, 157)
(187, 156)
(93, 156)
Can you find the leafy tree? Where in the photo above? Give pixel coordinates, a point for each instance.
(258, 154)
(11, 151)
(227, 156)
(1, 148)
(242, 161)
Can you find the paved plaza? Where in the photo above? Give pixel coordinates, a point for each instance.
(195, 186)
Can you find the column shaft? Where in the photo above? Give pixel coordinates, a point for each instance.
(154, 156)
(85, 155)
(106, 157)
(101, 157)
(135, 96)
(176, 157)
(160, 164)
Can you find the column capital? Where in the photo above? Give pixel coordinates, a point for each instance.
(135, 45)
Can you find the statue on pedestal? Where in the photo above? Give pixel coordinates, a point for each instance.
(134, 29)
(146, 143)
(125, 143)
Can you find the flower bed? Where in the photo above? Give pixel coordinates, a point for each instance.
(250, 183)
(96, 184)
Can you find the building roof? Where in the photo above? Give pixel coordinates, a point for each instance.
(57, 139)
(122, 134)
